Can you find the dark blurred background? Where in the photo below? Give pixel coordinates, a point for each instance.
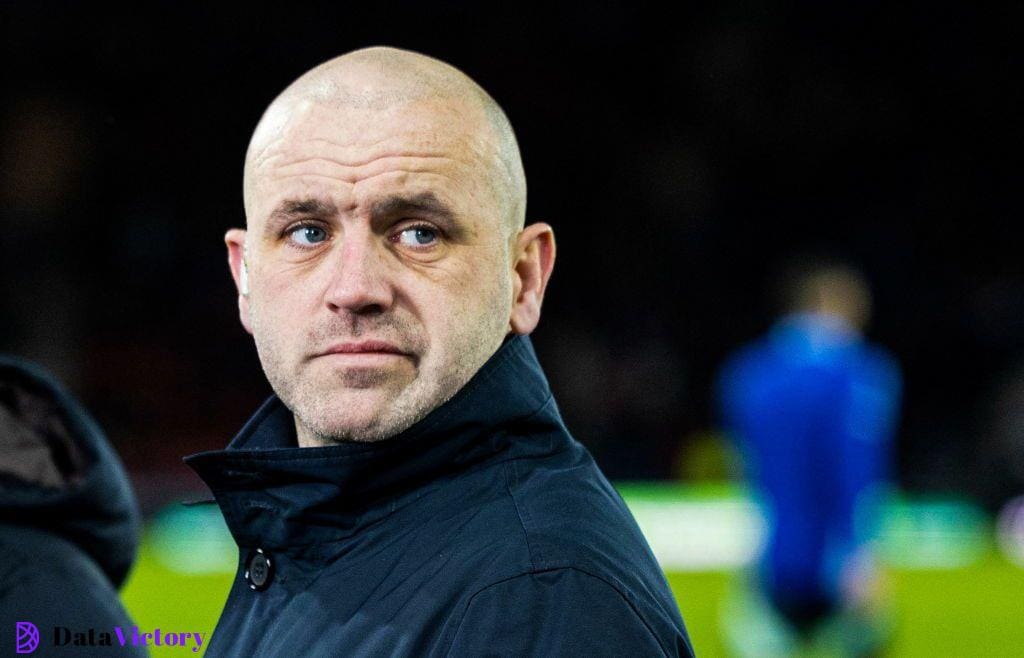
(681, 157)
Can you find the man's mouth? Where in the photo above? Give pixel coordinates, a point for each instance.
(363, 347)
(364, 353)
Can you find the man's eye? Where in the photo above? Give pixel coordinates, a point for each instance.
(418, 236)
(307, 236)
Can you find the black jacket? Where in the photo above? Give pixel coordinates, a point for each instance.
(483, 529)
(69, 523)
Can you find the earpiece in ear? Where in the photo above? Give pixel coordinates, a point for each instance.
(245, 278)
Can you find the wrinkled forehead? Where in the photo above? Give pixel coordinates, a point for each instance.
(443, 136)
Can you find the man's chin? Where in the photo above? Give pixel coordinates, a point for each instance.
(362, 371)
(360, 414)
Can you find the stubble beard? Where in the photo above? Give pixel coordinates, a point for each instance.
(319, 422)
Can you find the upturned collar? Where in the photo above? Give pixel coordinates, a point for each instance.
(276, 495)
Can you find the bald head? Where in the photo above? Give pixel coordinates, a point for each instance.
(382, 80)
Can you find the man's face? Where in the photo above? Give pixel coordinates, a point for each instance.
(377, 263)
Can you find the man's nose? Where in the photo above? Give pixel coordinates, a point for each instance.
(360, 281)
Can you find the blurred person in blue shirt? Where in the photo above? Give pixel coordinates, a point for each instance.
(813, 408)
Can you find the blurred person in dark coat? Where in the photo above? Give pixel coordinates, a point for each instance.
(411, 489)
(814, 407)
(69, 522)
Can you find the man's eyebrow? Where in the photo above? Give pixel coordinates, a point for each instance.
(426, 204)
(290, 209)
(420, 203)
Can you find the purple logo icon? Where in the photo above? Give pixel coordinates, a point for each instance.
(27, 637)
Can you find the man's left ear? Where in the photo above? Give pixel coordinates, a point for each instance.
(534, 260)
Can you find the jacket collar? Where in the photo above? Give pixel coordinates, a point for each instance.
(276, 495)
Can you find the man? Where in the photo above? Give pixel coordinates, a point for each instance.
(69, 523)
(813, 407)
(411, 489)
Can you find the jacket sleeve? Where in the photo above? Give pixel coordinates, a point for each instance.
(562, 612)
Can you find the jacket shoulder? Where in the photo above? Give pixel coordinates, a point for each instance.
(574, 521)
(563, 611)
(572, 516)
(42, 572)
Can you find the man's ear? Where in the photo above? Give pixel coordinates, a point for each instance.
(235, 240)
(534, 259)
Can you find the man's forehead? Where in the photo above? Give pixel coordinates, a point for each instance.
(319, 147)
(437, 126)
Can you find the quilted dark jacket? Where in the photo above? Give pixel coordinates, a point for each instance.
(483, 529)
